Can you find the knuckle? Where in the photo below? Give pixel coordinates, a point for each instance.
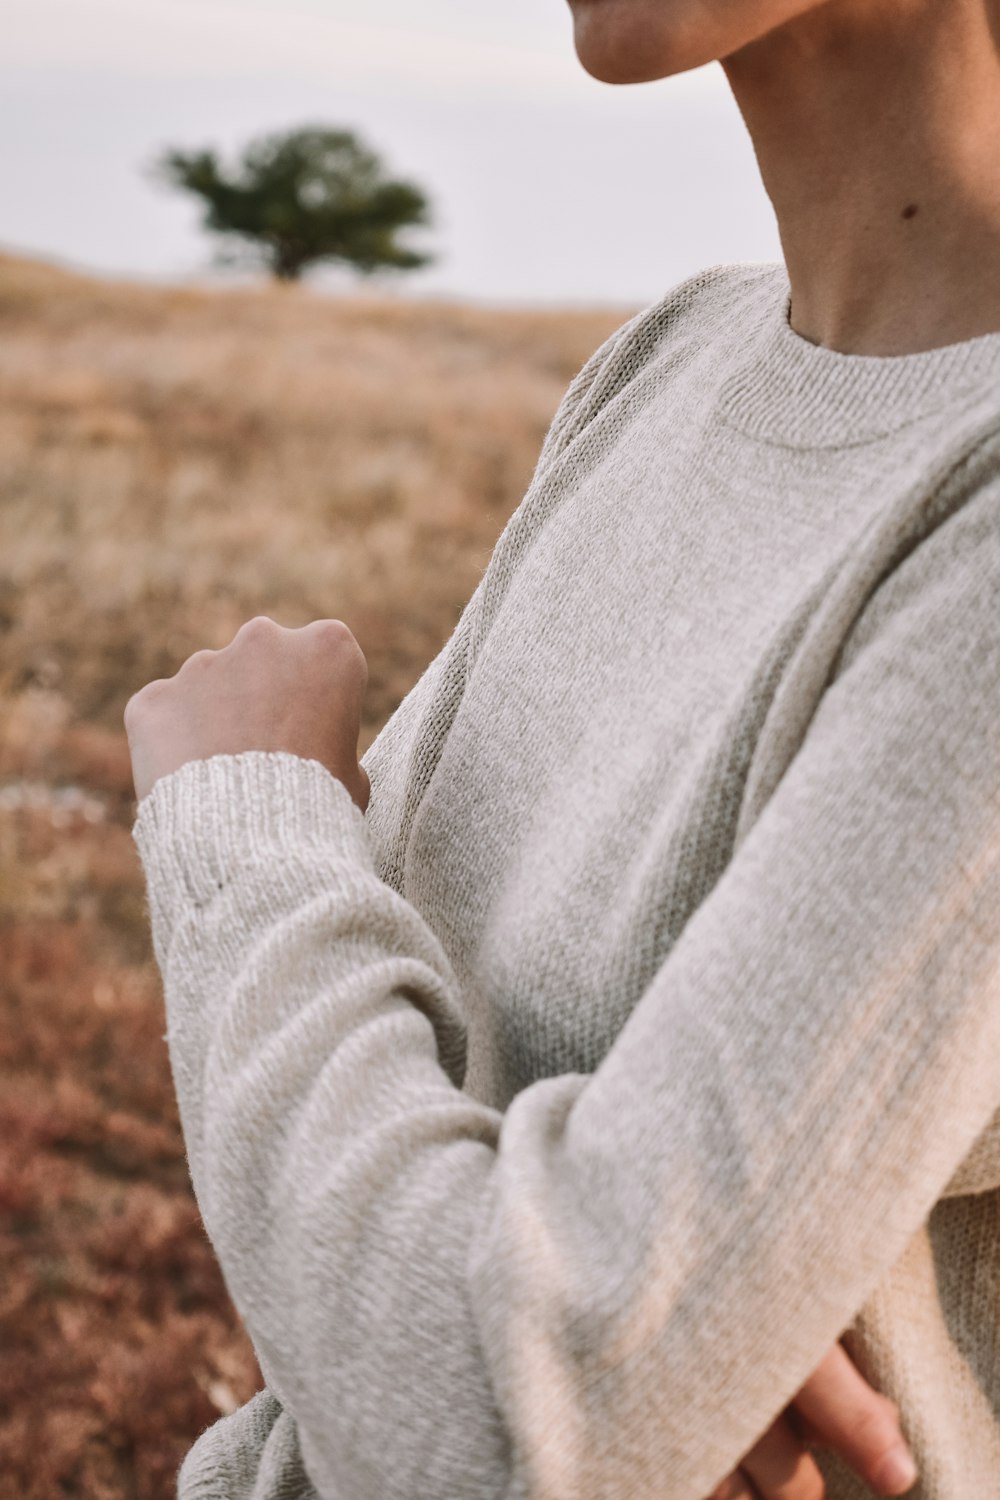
(259, 625)
(197, 660)
(335, 634)
(334, 630)
(142, 699)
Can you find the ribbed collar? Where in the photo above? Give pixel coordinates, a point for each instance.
(802, 395)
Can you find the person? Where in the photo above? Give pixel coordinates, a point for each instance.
(595, 1091)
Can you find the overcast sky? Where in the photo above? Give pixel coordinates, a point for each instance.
(548, 187)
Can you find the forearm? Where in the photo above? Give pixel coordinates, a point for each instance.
(312, 1028)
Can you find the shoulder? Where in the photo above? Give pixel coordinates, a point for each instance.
(717, 291)
(722, 306)
(728, 300)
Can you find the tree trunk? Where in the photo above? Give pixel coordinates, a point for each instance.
(287, 263)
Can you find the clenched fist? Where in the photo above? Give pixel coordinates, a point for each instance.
(271, 688)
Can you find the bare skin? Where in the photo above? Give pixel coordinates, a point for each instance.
(876, 125)
(271, 688)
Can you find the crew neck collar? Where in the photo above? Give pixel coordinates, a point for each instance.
(802, 395)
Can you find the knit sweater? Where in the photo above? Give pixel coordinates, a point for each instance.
(552, 1120)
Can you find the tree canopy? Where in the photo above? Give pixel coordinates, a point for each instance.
(299, 197)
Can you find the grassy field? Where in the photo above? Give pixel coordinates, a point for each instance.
(173, 462)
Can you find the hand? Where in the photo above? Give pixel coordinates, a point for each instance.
(838, 1408)
(271, 688)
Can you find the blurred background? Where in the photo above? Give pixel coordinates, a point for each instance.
(421, 221)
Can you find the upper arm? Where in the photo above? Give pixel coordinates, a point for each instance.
(798, 1084)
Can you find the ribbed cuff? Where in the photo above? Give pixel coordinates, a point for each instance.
(201, 822)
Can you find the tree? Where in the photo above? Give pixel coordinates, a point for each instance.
(304, 196)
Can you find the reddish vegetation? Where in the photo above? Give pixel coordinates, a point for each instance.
(119, 1343)
(172, 463)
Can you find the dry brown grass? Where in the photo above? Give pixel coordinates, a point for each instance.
(172, 463)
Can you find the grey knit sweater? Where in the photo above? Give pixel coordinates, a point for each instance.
(551, 1121)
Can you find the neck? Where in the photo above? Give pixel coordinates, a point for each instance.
(877, 132)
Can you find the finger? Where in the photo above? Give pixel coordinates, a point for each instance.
(860, 1423)
(329, 626)
(808, 1434)
(736, 1487)
(198, 658)
(259, 625)
(781, 1468)
(137, 702)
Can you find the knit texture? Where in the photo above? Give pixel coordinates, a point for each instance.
(552, 1120)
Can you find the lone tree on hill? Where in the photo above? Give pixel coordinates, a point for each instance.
(304, 196)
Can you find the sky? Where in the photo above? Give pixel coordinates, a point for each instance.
(547, 187)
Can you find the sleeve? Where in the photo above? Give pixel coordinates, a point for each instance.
(256, 1449)
(573, 409)
(569, 1298)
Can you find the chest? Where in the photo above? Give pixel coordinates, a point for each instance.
(585, 799)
